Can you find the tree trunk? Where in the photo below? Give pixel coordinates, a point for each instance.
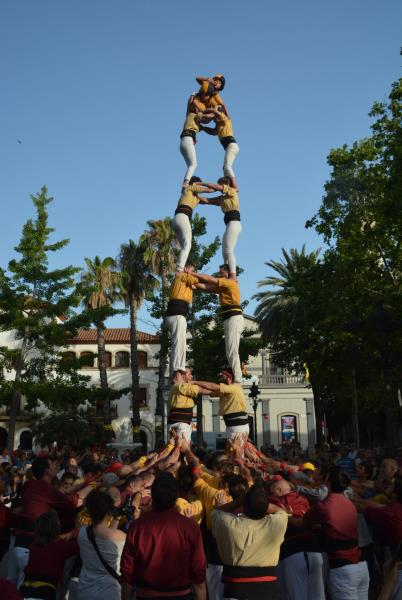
(100, 332)
(135, 376)
(16, 397)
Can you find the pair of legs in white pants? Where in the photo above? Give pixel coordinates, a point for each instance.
(231, 151)
(233, 328)
(181, 225)
(187, 149)
(350, 582)
(177, 325)
(300, 577)
(229, 241)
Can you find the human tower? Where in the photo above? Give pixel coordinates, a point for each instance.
(203, 107)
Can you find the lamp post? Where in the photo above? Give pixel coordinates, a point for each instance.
(254, 393)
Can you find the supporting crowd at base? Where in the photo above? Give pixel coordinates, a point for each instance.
(183, 522)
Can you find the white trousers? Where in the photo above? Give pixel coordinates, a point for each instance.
(182, 430)
(300, 578)
(177, 325)
(233, 328)
(350, 582)
(229, 241)
(181, 225)
(214, 582)
(187, 149)
(231, 151)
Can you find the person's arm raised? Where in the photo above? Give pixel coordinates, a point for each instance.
(188, 453)
(206, 278)
(211, 201)
(229, 507)
(217, 187)
(210, 386)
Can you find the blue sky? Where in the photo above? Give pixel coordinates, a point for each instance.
(96, 92)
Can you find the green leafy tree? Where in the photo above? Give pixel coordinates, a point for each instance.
(340, 313)
(360, 220)
(38, 306)
(137, 281)
(289, 312)
(67, 428)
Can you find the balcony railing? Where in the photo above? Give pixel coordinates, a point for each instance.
(282, 379)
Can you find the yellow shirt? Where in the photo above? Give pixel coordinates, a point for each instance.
(224, 126)
(193, 510)
(231, 399)
(207, 495)
(244, 542)
(181, 287)
(230, 199)
(192, 122)
(211, 480)
(229, 292)
(189, 195)
(182, 395)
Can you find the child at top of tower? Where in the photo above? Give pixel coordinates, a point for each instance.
(208, 94)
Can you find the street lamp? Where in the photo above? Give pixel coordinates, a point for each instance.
(254, 393)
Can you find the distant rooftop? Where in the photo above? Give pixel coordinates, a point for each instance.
(114, 335)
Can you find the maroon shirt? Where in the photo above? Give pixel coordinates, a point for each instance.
(296, 539)
(337, 517)
(387, 522)
(38, 497)
(48, 561)
(8, 520)
(9, 590)
(163, 553)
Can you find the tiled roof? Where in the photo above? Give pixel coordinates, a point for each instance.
(114, 335)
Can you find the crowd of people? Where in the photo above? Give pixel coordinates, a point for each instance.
(185, 522)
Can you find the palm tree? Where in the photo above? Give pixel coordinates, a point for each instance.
(160, 253)
(282, 305)
(137, 280)
(100, 285)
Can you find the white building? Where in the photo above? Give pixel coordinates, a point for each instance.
(285, 408)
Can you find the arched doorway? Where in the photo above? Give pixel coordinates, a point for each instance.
(26, 440)
(3, 438)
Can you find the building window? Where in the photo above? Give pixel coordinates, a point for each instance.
(289, 428)
(108, 359)
(88, 359)
(68, 357)
(122, 360)
(142, 360)
(142, 396)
